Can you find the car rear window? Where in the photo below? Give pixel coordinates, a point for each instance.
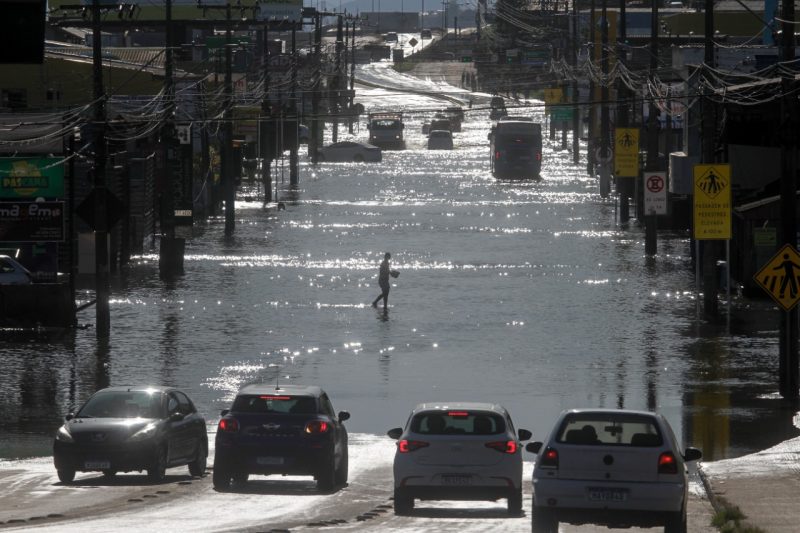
(122, 404)
(277, 404)
(610, 429)
(459, 422)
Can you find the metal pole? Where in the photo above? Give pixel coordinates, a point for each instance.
(624, 184)
(226, 156)
(576, 116)
(102, 287)
(651, 238)
(265, 123)
(605, 145)
(710, 253)
(294, 164)
(313, 144)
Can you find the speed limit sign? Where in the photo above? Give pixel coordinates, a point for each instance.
(655, 193)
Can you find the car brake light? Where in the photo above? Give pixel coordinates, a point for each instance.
(539, 156)
(503, 446)
(497, 155)
(275, 397)
(458, 414)
(667, 464)
(549, 458)
(406, 446)
(316, 427)
(228, 425)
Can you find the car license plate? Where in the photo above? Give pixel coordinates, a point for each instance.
(97, 465)
(269, 460)
(459, 481)
(607, 495)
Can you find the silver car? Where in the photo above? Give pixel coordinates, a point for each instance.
(458, 451)
(13, 273)
(349, 151)
(613, 467)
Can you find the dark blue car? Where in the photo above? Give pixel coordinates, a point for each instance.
(287, 429)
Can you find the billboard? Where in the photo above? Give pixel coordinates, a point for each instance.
(31, 177)
(27, 221)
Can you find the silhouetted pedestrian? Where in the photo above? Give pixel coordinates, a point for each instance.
(383, 281)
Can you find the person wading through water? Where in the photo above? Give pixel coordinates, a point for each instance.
(383, 281)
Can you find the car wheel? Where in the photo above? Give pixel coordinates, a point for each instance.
(109, 474)
(221, 478)
(342, 471)
(158, 470)
(403, 502)
(515, 502)
(676, 522)
(66, 476)
(326, 478)
(198, 467)
(240, 478)
(543, 521)
(358, 158)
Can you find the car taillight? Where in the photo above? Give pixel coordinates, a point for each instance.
(549, 458)
(539, 156)
(503, 446)
(317, 427)
(228, 425)
(667, 464)
(405, 446)
(497, 155)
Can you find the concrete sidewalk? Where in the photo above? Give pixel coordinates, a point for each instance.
(770, 503)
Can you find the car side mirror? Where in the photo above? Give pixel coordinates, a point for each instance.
(524, 434)
(395, 433)
(224, 412)
(533, 447)
(344, 415)
(692, 454)
(69, 416)
(176, 417)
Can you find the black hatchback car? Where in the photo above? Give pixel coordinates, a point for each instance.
(124, 429)
(288, 429)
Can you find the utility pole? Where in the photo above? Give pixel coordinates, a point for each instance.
(102, 286)
(650, 238)
(788, 204)
(338, 78)
(590, 144)
(313, 144)
(624, 184)
(709, 247)
(294, 170)
(605, 145)
(266, 121)
(225, 156)
(352, 75)
(576, 115)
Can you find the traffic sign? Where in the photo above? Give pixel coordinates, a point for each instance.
(413, 42)
(655, 193)
(626, 152)
(553, 96)
(780, 277)
(712, 202)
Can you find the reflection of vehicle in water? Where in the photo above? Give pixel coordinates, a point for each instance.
(516, 148)
(386, 130)
(498, 108)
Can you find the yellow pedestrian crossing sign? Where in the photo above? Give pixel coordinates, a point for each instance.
(712, 202)
(780, 277)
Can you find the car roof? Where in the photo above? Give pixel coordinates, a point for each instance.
(443, 133)
(265, 388)
(467, 406)
(601, 411)
(137, 388)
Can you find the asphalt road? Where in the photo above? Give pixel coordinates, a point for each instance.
(34, 499)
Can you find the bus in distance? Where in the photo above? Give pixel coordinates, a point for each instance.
(516, 148)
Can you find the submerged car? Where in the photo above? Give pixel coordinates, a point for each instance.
(13, 273)
(458, 451)
(290, 429)
(124, 429)
(349, 151)
(440, 140)
(613, 467)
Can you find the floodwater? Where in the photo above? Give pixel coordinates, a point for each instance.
(529, 294)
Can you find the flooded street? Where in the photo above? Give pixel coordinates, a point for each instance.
(529, 294)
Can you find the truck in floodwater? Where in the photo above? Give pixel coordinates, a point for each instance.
(516, 148)
(386, 130)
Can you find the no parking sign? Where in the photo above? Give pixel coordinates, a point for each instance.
(655, 193)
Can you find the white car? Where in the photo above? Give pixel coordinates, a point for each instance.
(349, 151)
(13, 273)
(458, 451)
(612, 467)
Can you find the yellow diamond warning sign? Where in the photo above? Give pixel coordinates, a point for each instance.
(780, 277)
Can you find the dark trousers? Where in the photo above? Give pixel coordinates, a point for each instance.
(385, 295)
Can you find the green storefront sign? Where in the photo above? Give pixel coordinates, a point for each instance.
(31, 177)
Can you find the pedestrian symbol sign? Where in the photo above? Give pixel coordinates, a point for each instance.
(712, 202)
(626, 152)
(780, 277)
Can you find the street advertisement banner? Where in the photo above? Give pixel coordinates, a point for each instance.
(27, 221)
(39, 177)
(626, 152)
